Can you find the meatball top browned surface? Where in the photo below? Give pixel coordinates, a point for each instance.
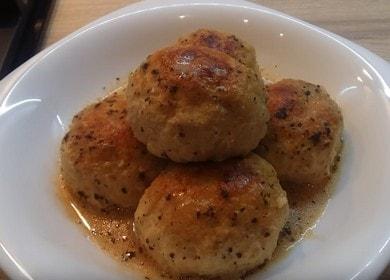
(212, 218)
(102, 162)
(194, 103)
(304, 132)
(224, 42)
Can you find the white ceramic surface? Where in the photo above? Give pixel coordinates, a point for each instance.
(38, 241)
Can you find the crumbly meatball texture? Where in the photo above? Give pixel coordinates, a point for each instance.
(102, 162)
(227, 43)
(192, 103)
(212, 219)
(304, 132)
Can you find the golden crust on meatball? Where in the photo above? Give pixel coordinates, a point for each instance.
(192, 103)
(226, 43)
(304, 132)
(212, 219)
(102, 162)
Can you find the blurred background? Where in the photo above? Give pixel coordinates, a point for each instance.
(22, 28)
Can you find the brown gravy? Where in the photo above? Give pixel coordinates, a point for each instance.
(114, 233)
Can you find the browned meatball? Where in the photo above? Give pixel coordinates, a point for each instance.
(192, 103)
(102, 161)
(224, 42)
(304, 133)
(213, 219)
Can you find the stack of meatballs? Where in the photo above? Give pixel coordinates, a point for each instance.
(193, 147)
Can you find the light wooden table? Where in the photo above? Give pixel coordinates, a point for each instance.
(365, 22)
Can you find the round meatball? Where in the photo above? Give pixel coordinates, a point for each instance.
(102, 162)
(192, 103)
(304, 132)
(227, 43)
(212, 219)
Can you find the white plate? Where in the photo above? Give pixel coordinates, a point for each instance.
(39, 99)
